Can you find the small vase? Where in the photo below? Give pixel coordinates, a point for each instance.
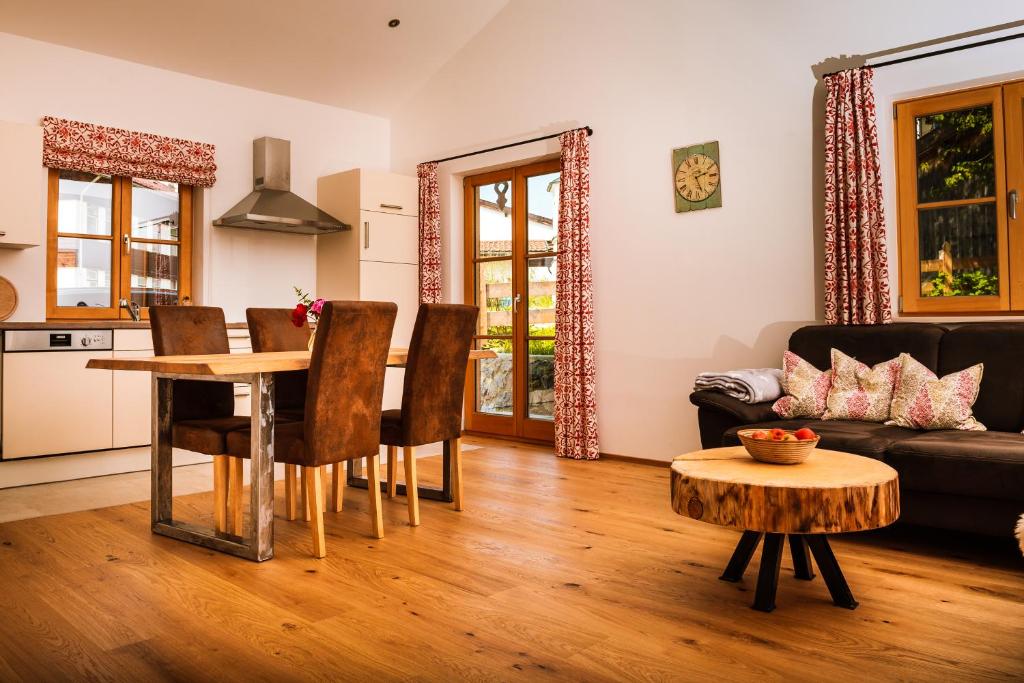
(312, 338)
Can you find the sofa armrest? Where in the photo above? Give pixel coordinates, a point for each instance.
(745, 413)
(717, 413)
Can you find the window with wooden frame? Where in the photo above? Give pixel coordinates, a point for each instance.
(111, 240)
(511, 261)
(960, 172)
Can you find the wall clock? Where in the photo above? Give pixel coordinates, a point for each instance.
(697, 177)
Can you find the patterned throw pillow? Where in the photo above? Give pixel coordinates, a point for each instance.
(859, 392)
(806, 388)
(922, 401)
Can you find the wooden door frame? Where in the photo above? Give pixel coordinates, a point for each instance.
(519, 424)
(1013, 121)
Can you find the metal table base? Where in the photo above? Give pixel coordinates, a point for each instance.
(443, 494)
(257, 543)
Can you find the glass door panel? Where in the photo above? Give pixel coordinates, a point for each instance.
(512, 260)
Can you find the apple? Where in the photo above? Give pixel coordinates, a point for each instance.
(788, 437)
(759, 434)
(805, 434)
(776, 434)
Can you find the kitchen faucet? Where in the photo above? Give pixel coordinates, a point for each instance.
(132, 308)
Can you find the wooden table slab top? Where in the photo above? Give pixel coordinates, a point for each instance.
(831, 492)
(237, 363)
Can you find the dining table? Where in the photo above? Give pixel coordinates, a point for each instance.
(256, 369)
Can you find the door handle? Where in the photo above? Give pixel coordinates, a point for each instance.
(1012, 205)
(127, 244)
(515, 303)
(3, 233)
(366, 234)
(396, 207)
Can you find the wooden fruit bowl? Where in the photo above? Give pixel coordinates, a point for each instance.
(777, 452)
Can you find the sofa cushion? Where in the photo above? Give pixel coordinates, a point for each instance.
(870, 439)
(870, 344)
(860, 392)
(982, 464)
(805, 387)
(923, 401)
(1000, 346)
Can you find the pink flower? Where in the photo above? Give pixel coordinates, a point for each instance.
(317, 306)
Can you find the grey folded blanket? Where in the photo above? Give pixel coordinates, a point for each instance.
(753, 385)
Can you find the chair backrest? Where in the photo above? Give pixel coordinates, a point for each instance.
(272, 329)
(193, 330)
(346, 380)
(435, 374)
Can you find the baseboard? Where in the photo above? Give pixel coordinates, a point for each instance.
(649, 462)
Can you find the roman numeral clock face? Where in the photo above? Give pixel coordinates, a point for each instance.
(697, 177)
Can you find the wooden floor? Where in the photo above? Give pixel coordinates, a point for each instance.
(556, 570)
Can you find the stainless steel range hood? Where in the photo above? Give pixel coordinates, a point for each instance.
(271, 205)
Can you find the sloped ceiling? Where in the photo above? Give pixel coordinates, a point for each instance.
(338, 52)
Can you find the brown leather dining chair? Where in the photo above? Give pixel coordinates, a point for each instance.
(203, 413)
(435, 381)
(272, 329)
(343, 405)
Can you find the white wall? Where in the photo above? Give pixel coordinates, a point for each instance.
(239, 267)
(675, 293)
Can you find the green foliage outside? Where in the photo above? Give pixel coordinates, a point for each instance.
(955, 156)
(964, 283)
(537, 347)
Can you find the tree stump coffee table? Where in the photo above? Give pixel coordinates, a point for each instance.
(831, 492)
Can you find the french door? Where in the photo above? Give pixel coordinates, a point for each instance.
(511, 220)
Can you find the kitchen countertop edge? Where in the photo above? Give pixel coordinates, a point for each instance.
(90, 325)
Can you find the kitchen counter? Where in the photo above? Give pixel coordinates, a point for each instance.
(90, 325)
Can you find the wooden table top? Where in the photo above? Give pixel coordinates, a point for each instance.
(238, 363)
(830, 492)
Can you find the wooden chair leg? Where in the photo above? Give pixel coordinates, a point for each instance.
(338, 486)
(220, 493)
(411, 492)
(315, 496)
(392, 471)
(290, 494)
(305, 494)
(373, 488)
(455, 446)
(236, 482)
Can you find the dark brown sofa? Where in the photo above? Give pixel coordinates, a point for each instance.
(968, 481)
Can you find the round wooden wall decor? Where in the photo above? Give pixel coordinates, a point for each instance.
(8, 298)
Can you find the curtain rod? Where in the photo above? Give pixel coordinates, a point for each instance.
(590, 131)
(934, 53)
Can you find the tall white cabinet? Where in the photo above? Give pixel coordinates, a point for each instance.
(22, 186)
(378, 260)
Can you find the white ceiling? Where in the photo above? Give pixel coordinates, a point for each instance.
(339, 52)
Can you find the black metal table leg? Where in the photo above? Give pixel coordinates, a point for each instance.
(830, 571)
(741, 556)
(768, 572)
(426, 492)
(802, 567)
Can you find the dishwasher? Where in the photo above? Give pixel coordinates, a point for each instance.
(51, 403)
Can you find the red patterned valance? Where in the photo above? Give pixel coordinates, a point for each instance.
(78, 146)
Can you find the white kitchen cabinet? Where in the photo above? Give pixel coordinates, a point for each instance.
(22, 186)
(393, 282)
(387, 192)
(239, 342)
(132, 415)
(388, 237)
(377, 260)
(44, 415)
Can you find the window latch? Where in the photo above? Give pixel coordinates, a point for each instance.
(515, 303)
(1011, 205)
(127, 244)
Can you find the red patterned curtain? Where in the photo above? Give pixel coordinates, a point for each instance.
(856, 263)
(430, 234)
(575, 367)
(78, 146)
